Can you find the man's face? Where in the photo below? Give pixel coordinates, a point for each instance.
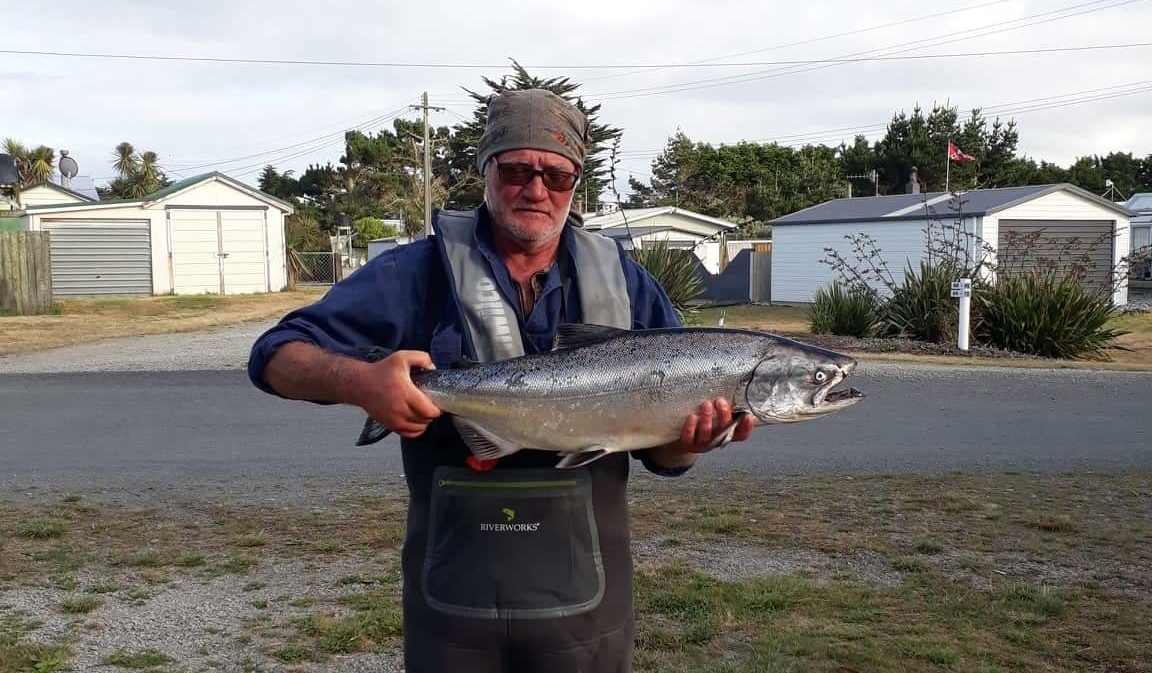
(531, 213)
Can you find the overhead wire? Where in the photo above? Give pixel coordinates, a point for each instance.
(713, 82)
(1012, 108)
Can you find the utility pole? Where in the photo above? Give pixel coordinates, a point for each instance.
(427, 164)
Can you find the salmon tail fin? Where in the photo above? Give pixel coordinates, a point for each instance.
(372, 432)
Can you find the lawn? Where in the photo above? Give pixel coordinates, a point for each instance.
(1001, 572)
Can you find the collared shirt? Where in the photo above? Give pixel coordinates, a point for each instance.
(401, 300)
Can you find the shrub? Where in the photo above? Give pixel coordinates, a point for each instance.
(923, 307)
(676, 271)
(837, 310)
(1046, 313)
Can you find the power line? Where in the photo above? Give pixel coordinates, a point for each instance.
(694, 64)
(909, 46)
(915, 19)
(1012, 108)
(327, 140)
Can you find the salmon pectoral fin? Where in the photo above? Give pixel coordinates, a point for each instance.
(726, 435)
(483, 443)
(582, 457)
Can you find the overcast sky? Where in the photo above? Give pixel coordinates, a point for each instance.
(237, 117)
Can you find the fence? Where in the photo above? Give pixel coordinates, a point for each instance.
(25, 273)
(316, 268)
(746, 279)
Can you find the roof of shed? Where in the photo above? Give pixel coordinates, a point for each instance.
(601, 221)
(912, 206)
(1140, 203)
(171, 189)
(625, 232)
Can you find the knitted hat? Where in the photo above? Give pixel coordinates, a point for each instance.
(533, 119)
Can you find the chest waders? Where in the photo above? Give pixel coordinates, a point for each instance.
(525, 567)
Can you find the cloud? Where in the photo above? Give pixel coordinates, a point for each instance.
(238, 117)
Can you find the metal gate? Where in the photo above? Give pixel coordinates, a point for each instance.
(316, 268)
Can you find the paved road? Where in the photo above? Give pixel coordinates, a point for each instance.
(152, 429)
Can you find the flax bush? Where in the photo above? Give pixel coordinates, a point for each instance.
(1047, 313)
(838, 310)
(677, 271)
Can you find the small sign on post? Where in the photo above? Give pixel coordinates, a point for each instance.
(963, 290)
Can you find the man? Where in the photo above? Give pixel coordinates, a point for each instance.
(513, 566)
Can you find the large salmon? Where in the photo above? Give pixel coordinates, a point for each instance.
(603, 389)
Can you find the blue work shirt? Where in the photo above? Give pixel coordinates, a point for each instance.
(401, 300)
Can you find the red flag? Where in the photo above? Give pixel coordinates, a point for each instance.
(954, 154)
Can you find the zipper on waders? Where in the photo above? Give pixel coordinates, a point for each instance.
(508, 484)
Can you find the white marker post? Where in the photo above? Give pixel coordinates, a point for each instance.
(963, 289)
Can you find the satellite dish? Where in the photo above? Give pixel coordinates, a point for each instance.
(67, 165)
(9, 176)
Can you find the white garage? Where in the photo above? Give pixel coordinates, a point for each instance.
(207, 234)
(1062, 217)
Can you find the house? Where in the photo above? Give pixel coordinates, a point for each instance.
(1141, 223)
(1066, 219)
(681, 229)
(206, 234)
(50, 193)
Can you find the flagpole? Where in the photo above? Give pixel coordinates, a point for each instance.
(947, 165)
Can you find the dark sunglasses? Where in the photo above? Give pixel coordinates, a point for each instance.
(554, 179)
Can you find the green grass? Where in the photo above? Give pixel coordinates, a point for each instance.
(953, 573)
(18, 655)
(149, 658)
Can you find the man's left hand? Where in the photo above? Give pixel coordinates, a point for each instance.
(706, 424)
(699, 430)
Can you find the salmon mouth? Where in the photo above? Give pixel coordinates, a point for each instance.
(827, 400)
(847, 395)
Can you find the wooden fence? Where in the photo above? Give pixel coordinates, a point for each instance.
(25, 273)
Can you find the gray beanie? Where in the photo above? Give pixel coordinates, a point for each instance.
(533, 119)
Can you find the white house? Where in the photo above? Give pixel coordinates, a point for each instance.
(680, 228)
(206, 234)
(1066, 217)
(47, 194)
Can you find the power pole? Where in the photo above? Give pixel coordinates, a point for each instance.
(427, 164)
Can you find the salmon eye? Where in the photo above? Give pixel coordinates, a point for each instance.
(820, 377)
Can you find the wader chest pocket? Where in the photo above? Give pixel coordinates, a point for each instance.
(512, 544)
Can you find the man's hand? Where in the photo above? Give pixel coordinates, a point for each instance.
(387, 394)
(698, 431)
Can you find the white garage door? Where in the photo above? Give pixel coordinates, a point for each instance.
(218, 251)
(100, 257)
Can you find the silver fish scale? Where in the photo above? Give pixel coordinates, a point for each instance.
(632, 391)
(636, 363)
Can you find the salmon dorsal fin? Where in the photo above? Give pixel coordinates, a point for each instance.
(574, 335)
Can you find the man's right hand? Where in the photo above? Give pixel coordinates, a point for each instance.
(386, 392)
(383, 389)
